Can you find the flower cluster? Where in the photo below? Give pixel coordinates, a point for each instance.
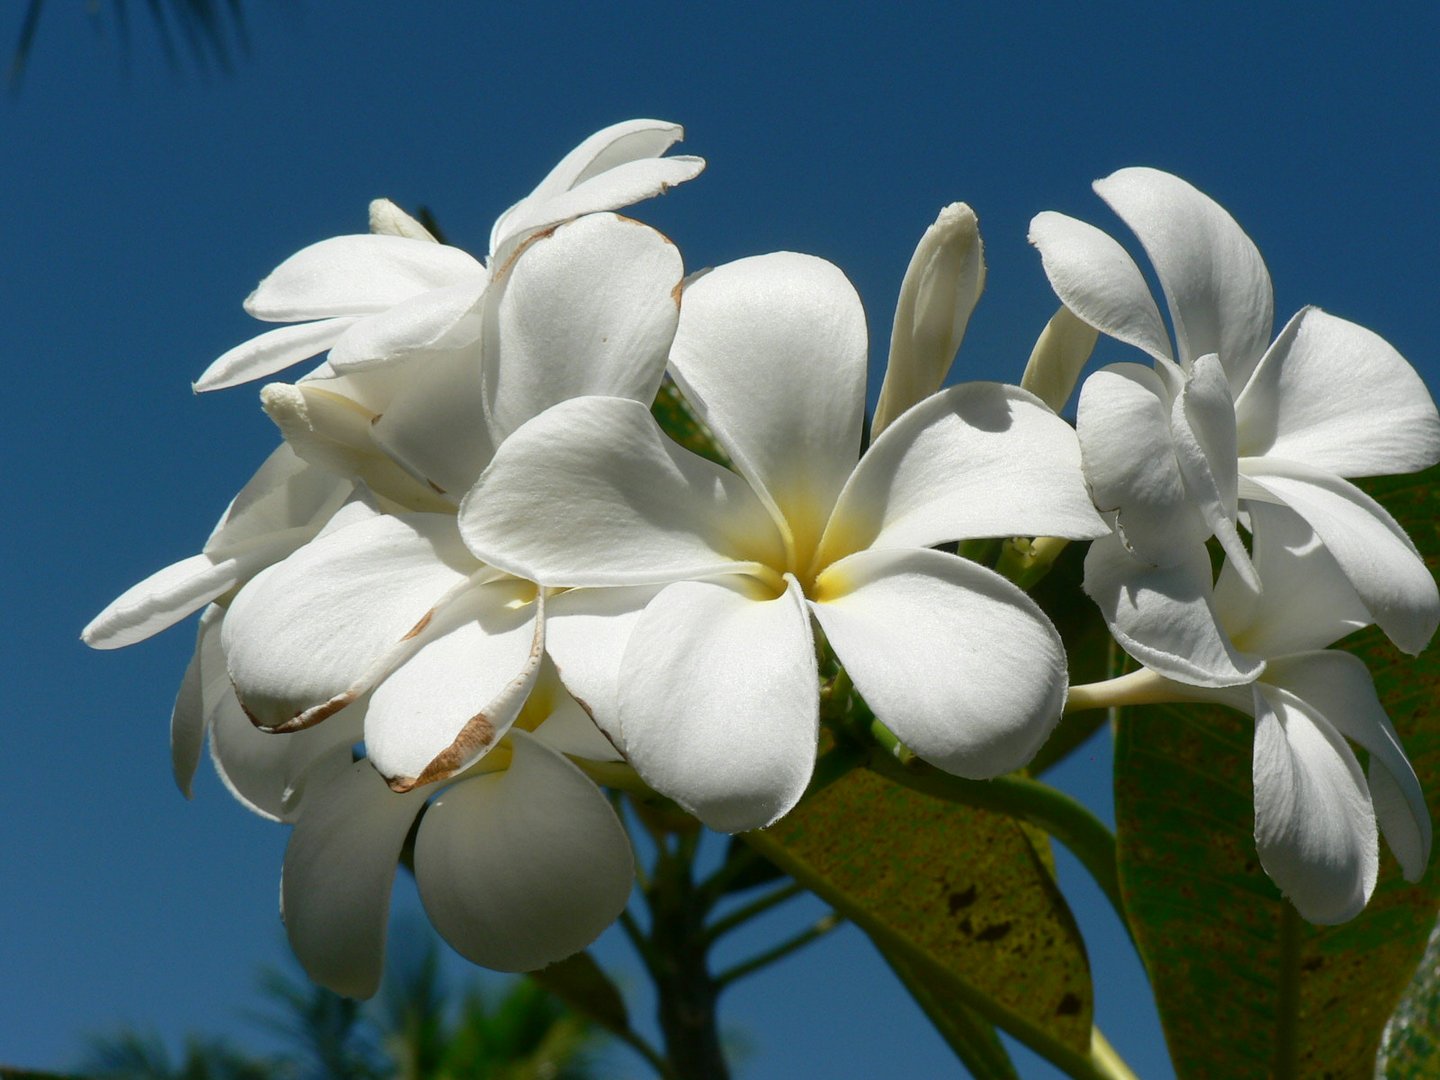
(1232, 431)
(477, 572)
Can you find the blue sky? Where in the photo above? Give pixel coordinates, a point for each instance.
(138, 211)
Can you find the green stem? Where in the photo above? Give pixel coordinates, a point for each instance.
(1287, 1018)
(1145, 687)
(649, 1053)
(779, 952)
(1025, 561)
(1057, 813)
(738, 917)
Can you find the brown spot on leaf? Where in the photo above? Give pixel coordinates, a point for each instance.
(960, 900)
(1069, 1006)
(993, 933)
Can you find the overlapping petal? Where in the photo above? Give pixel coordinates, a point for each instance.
(358, 275)
(308, 636)
(1096, 279)
(1307, 602)
(1338, 397)
(610, 169)
(1337, 686)
(1164, 616)
(954, 659)
(443, 318)
(1369, 546)
(1314, 821)
(520, 868)
(457, 695)
(771, 351)
(588, 309)
(1214, 279)
(718, 707)
(645, 510)
(976, 460)
(1126, 444)
(272, 351)
(586, 633)
(339, 873)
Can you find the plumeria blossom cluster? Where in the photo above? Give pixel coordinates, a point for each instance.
(478, 574)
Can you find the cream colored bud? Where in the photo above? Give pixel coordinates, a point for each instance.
(1059, 354)
(332, 432)
(941, 287)
(389, 220)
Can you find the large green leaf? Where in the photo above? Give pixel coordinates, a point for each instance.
(1244, 986)
(958, 896)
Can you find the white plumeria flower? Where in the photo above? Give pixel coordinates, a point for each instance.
(688, 636)
(1175, 453)
(283, 506)
(394, 615)
(397, 293)
(1316, 810)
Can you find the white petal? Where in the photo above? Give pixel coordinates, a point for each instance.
(520, 868)
(980, 459)
(954, 659)
(170, 594)
(771, 351)
(1338, 397)
(629, 140)
(270, 352)
(435, 426)
(357, 275)
(187, 719)
(1367, 543)
(339, 870)
(941, 288)
(447, 318)
(1337, 686)
(1060, 352)
(586, 631)
(1202, 421)
(1306, 602)
(1314, 822)
(285, 492)
(566, 728)
(267, 773)
(1127, 449)
(719, 705)
(455, 698)
(308, 636)
(591, 492)
(1164, 616)
(588, 309)
(1214, 279)
(1096, 279)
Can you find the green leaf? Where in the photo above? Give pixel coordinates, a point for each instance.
(1410, 1047)
(957, 894)
(679, 420)
(1244, 986)
(583, 985)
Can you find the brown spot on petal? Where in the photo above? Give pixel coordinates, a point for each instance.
(305, 719)
(676, 292)
(435, 487)
(420, 626)
(477, 734)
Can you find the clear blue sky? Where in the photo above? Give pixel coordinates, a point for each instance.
(138, 211)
